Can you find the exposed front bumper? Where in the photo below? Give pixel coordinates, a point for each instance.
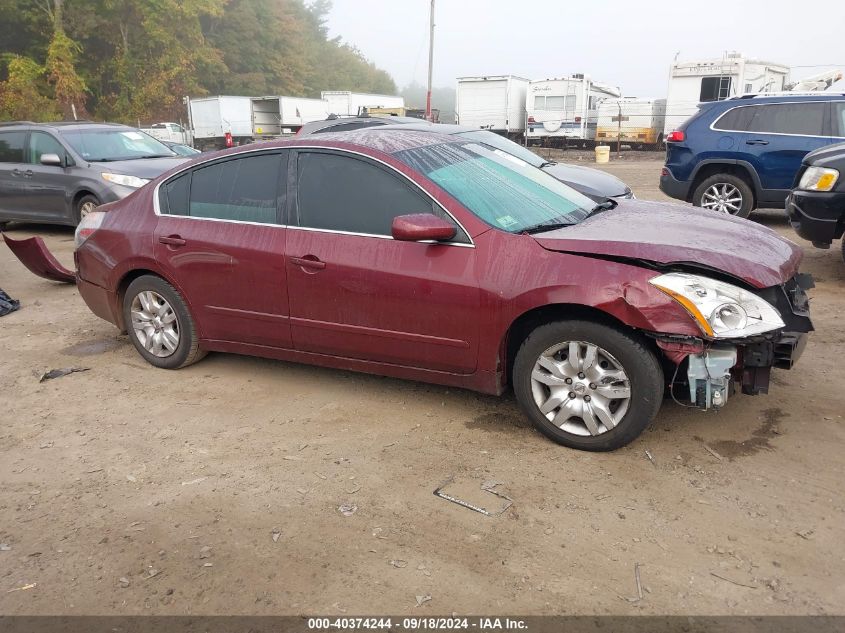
(818, 216)
(678, 189)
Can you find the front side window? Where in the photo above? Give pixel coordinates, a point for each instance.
(11, 147)
(502, 190)
(247, 189)
(41, 143)
(111, 145)
(341, 193)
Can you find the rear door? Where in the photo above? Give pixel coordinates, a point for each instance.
(13, 176)
(49, 187)
(220, 237)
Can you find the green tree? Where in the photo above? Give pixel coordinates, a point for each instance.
(21, 95)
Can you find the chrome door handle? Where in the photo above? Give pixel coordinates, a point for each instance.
(172, 240)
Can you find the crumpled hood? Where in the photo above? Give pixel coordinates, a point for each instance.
(148, 168)
(672, 233)
(590, 182)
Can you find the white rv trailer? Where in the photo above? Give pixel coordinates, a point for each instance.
(641, 124)
(565, 108)
(346, 103)
(693, 82)
(494, 103)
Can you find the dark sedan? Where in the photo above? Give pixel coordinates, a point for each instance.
(438, 258)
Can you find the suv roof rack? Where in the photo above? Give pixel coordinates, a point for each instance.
(787, 93)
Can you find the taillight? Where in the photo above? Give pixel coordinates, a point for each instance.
(89, 225)
(531, 119)
(228, 137)
(676, 137)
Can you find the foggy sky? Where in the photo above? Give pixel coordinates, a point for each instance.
(628, 44)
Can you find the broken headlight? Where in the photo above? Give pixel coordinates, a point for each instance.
(721, 310)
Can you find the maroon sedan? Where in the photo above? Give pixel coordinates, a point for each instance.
(433, 258)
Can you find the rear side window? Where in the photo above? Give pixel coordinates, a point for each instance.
(341, 193)
(11, 147)
(735, 120)
(173, 195)
(41, 143)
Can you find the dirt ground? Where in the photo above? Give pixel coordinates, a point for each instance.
(215, 489)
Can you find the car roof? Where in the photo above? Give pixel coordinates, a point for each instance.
(387, 139)
(82, 125)
(779, 97)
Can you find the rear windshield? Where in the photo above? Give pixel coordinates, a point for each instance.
(499, 188)
(108, 145)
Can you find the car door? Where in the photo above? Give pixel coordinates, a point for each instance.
(49, 187)
(220, 238)
(13, 176)
(355, 292)
(777, 137)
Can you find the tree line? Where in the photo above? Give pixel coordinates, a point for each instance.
(130, 60)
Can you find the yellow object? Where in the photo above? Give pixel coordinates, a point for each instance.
(690, 307)
(602, 153)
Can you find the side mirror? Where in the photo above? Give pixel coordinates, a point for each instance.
(54, 160)
(419, 227)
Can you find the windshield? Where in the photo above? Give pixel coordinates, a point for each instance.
(500, 142)
(120, 144)
(502, 190)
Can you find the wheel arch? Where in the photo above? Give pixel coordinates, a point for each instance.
(740, 169)
(529, 320)
(131, 275)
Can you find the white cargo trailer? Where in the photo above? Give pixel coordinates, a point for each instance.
(634, 121)
(694, 82)
(565, 109)
(494, 103)
(346, 103)
(212, 118)
(273, 117)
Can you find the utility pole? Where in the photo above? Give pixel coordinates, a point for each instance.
(430, 63)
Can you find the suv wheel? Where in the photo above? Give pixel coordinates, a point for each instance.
(587, 385)
(85, 205)
(724, 193)
(843, 248)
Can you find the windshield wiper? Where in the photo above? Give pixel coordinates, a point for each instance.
(607, 205)
(160, 155)
(546, 163)
(542, 227)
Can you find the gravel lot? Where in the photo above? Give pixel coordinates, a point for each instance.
(215, 489)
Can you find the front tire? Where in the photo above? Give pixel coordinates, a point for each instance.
(159, 324)
(725, 193)
(586, 385)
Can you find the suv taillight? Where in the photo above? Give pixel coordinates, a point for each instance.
(90, 223)
(676, 137)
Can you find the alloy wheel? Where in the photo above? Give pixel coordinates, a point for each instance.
(86, 208)
(581, 388)
(155, 324)
(722, 197)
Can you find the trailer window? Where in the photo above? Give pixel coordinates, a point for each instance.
(715, 88)
(559, 103)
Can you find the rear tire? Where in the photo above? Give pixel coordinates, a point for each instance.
(84, 206)
(586, 385)
(725, 193)
(843, 248)
(159, 324)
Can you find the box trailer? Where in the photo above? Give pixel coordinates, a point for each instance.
(494, 103)
(346, 103)
(635, 121)
(273, 117)
(213, 118)
(565, 109)
(694, 82)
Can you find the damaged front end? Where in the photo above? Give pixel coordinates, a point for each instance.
(33, 253)
(709, 369)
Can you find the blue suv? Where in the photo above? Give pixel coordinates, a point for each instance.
(740, 154)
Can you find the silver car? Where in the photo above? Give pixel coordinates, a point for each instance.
(58, 172)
